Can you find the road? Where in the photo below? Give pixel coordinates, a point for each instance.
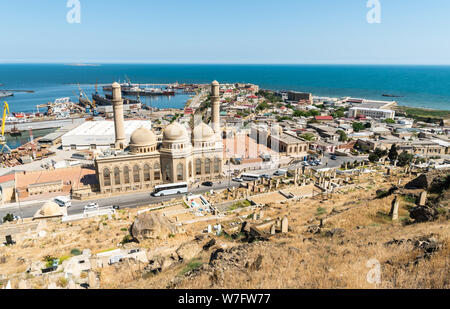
(134, 200)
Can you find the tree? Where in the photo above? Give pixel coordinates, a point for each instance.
(8, 218)
(393, 154)
(342, 136)
(308, 136)
(367, 125)
(404, 159)
(262, 106)
(389, 120)
(358, 126)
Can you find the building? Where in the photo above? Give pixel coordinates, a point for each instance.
(300, 96)
(179, 157)
(100, 135)
(279, 141)
(50, 183)
(375, 113)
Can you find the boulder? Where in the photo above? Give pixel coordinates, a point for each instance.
(423, 213)
(313, 229)
(209, 244)
(420, 182)
(151, 226)
(334, 232)
(189, 250)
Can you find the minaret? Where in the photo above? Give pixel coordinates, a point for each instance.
(215, 111)
(118, 116)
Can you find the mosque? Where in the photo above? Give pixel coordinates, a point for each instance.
(145, 162)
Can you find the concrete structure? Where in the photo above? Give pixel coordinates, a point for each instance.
(280, 142)
(118, 116)
(99, 135)
(375, 113)
(215, 112)
(300, 96)
(178, 158)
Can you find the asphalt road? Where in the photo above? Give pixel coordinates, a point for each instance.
(134, 200)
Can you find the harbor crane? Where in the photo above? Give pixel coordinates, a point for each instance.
(91, 103)
(3, 145)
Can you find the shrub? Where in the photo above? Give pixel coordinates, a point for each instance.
(8, 218)
(75, 251)
(194, 264)
(320, 211)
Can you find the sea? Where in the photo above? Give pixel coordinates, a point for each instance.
(416, 86)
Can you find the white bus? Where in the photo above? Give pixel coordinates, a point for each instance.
(250, 177)
(170, 189)
(63, 201)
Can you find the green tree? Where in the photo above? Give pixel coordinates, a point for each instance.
(308, 136)
(405, 159)
(8, 218)
(358, 126)
(389, 120)
(393, 154)
(342, 136)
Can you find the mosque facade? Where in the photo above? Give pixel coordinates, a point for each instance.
(179, 157)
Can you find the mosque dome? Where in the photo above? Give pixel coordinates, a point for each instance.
(215, 83)
(142, 137)
(50, 209)
(203, 132)
(175, 132)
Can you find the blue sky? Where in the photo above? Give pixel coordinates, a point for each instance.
(245, 31)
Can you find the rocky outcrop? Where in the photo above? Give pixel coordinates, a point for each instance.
(423, 214)
(152, 226)
(420, 182)
(189, 250)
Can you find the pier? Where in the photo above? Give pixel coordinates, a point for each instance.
(45, 124)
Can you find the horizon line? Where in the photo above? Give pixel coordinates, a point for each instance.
(88, 63)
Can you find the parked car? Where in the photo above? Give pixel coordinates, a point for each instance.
(236, 179)
(91, 206)
(333, 157)
(208, 183)
(116, 207)
(266, 176)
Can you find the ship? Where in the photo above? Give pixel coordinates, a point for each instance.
(147, 91)
(4, 94)
(392, 96)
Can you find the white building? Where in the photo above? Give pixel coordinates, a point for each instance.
(374, 113)
(99, 134)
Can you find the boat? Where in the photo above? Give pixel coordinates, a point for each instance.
(392, 96)
(148, 92)
(107, 100)
(4, 94)
(15, 132)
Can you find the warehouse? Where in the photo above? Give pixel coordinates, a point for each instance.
(100, 135)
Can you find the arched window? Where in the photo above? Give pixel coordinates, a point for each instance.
(117, 176)
(106, 177)
(198, 167)
(208, 166)
(146, 172)
(126, 175)
(216, 165)
(136, 176)
(190, 169)
(180, 172)
(157, 172)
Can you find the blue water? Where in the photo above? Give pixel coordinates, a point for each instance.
(419, 86)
